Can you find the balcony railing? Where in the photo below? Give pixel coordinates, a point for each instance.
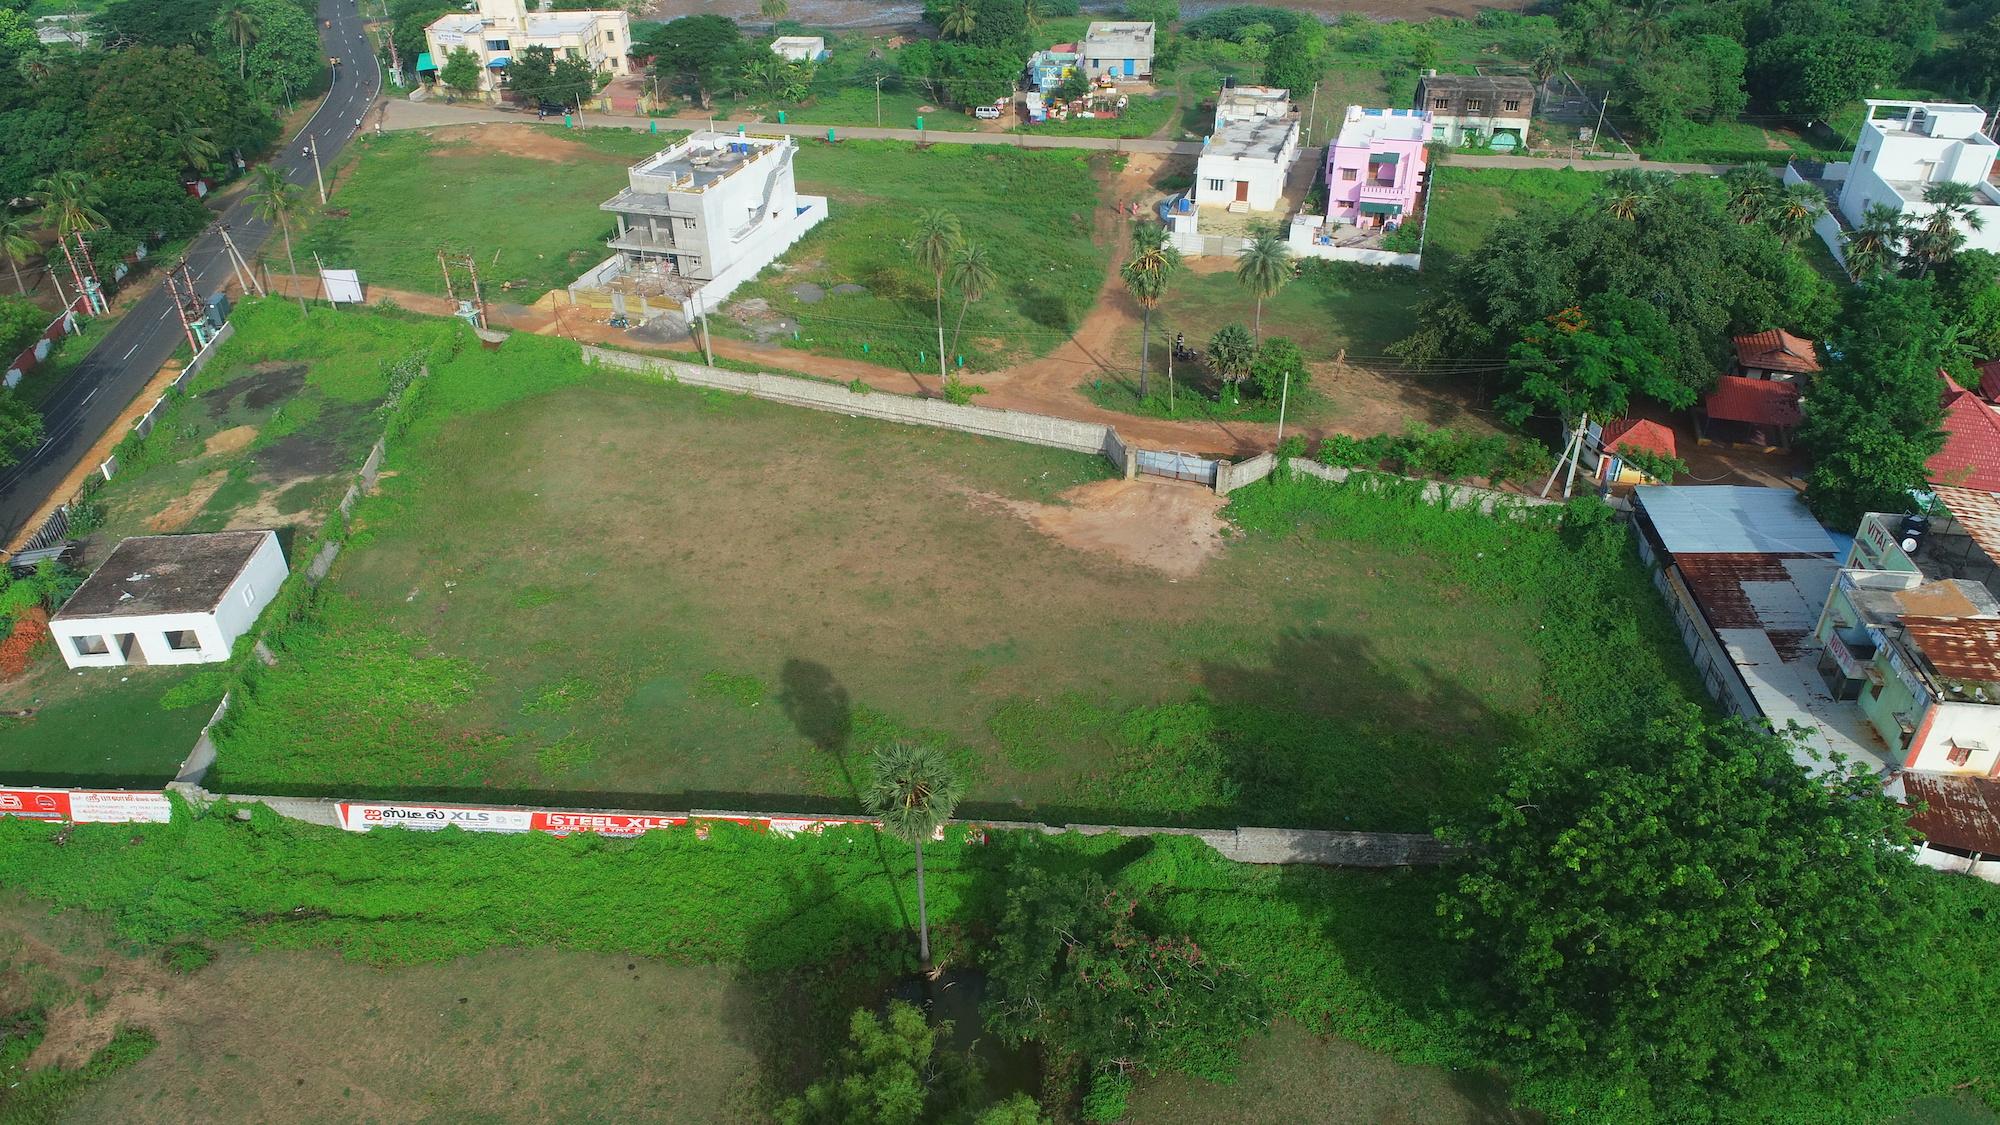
(639, 239)
(1381, 192)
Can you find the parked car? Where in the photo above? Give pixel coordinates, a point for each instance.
(550, 109)
(987, 112)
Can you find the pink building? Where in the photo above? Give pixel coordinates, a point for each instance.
(1375, 168)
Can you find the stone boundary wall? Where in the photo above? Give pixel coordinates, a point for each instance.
(1488, 500)
(1013, 425)
(1242, 845)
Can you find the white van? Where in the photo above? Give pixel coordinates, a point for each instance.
(987, 112)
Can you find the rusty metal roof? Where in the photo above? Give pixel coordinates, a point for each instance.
(1963, 811)
(1960, 648)
(1716, 581)
(1977, 512)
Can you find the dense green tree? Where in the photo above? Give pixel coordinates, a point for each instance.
(1591, 361)
(1668, 244)
(700, 54)
(1074, 969)
(1974, 65)
(895, 1070)
(21, 322)
(1967, 290)
(1279, 365)
(961, 74)
(161, 23)
(1694, 920)
(1873, 417)
(407, 21)
(20, 427)
(284, 55)
(1811, 57)
(1296, 61)
(460, 71)
(1700, 79)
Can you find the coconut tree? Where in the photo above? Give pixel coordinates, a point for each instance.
(1646, 26)
(1628, 192)
(1151, 267)
(279, 201)
(244, 27)
(972, 274)
(1942, 234)
(913, 791)
(1031, 17)
(1263, 269)
(15, 245)
(69, 204)
(1792, 212)
(192, 144)
(959, 20)
(1548, 62)
(1877, 244)
(938, 238)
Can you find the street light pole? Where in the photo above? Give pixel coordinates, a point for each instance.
(878, 101)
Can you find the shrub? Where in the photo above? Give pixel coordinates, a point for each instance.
(1443, 453)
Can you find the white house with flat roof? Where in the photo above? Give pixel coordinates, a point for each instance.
(1120, 51)
(799, 48)
(170, 599)
(1243, 164)
(499, 28)
(701, 218)
(1907, 146)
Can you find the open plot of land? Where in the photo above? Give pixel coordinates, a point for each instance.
(1032, 211)
(632, 594)
(523, 198)
(104, 727)
(1466, 203)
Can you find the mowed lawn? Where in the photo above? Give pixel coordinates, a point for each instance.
(523, 198)
(1466, 203)
(104, 727)
(1029, 210)
(632, 594)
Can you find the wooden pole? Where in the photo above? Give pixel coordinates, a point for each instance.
(478, 302)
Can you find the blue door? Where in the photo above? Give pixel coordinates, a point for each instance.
(1131, 67)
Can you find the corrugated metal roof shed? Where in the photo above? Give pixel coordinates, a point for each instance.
(1964, 811)
(1732, 519)
(1960, 648)
(1977, 512)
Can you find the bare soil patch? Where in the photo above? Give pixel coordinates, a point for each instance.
(230, 440)
(186, 506)
(513, 140)
(263, 385)
(1173, 527)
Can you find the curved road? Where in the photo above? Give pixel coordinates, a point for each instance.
(78, 412)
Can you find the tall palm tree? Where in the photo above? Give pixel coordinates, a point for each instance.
(1793, 210)
(1547, 64)
(1942, 234)
(279, 201)
(69, 202)
(1646, 26)
(1152, 265)
(1263, 269)
(1750, 188)
(244, 26)
(192, 143)
(913, 792)
(938, 238)
(959, 20)
(1628, 191)
(1877, 244)
(972, 273)
(15, 245)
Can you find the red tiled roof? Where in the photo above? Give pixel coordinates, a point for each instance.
(1989, 378)
(1757, 401)
(1776, 350)
(1971, 454)
(1638, 433)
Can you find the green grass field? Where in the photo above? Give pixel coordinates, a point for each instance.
(1466, 203)
(102, 727)
(532, 220)
(1030, 209)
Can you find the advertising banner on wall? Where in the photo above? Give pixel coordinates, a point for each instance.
(87, 806)
(357, 816)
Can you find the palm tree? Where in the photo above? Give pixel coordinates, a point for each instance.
(1146, 273)
(1942, 235)
(1263, 269)
(1877, 243)
(244, 27)
(1547, 64)
(69, 203)
(192, 144)
(959, 20)
(1031, 17)
(1646, 26)
(972, 273)
(913, 791)
(279, 201)
(15, 245)
(1750, 189)
(1792, 212)
(938, 238)
(1628, 191)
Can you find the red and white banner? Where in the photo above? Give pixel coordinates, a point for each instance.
(87, 806)
(604, 824)
(359, 817)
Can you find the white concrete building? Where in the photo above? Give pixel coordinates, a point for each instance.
(799, 48)
(170, 599)
(1246, 103)
(705, 216)
(1912, 145)
(499, 28)
(1120, 51)
(1243, 165)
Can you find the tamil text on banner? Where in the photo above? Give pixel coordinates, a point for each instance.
(87, 806)
(357, 817)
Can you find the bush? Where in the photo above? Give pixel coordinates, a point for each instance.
(1443, 453)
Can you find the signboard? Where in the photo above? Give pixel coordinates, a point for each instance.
(1837, 648)
(356, 817)
(341, 285)
(87, 806)
(604, 824)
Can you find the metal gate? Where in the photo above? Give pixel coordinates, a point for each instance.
(1180, 466)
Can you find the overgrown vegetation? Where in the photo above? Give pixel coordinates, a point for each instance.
(1440, 452)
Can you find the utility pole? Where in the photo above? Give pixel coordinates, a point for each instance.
(313, 147)
(446, 267)
(246, 276)
(183, 303)
(701, 311)
(93, 292)
(325, 295)
(878, 101)
(235, 267)
(1602, 104)
(1284, 395)
(1312, 114)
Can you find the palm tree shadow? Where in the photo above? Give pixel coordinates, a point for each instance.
(821, 711)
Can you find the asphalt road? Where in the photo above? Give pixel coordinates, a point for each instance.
(77, 413)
